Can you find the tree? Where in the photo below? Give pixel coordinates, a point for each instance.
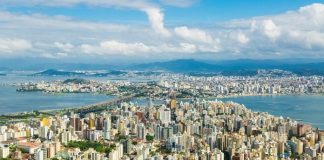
(149, 138)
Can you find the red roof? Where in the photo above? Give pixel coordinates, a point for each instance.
(29, 144)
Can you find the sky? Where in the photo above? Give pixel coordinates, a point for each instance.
(153, 30)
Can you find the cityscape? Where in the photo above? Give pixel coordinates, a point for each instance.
(175, 130)
(161, 80)
(185, 124)
(187, 86)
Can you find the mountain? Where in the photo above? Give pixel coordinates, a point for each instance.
(243, 67)
(53, 72)
(307, 69)
(183, 66)
(76, 81)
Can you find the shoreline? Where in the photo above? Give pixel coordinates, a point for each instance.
(49, 111)
(154, 99)
(223, 98)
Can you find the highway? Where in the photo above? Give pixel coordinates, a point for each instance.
(82, 110)
(102, 105)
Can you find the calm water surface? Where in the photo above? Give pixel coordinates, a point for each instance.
(309, 109)
(12, 101)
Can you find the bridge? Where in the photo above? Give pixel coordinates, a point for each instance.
(102, 105)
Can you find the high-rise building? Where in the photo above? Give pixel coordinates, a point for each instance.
(39, 154)
(157, 132)
(173, 103)
(310, 151)
(99, 123)
(92, 121)
(66, 136)
(302, 129)
(141, 131)
(300, 147)
(75, 122)
(45, 122)
(91, 135)
(4, 151)
(43, 132)
(117, 153)
(165, 115)
(127, 144)
(167, 132)
(107, 127)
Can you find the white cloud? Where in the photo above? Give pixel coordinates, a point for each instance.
(194, 34)
(242, 38)
(310, 40)
(54, 55)
(314, 13)
(156, 19)
(266, 27)
(297, 33)
(13, 45)
(180, 48)
(154, 13)
(41, 27)
(66, 47)
(292, 34)
(115, 47)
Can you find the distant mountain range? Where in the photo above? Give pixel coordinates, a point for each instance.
(234, 67)
(53, 72)
(188, 66)
(184, 66)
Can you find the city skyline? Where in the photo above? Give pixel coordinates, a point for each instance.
(160, 30)
(161, 80)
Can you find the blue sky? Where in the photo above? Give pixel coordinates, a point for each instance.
(161, 29)
(203, 11)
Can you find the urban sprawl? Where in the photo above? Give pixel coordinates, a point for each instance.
(176, 129)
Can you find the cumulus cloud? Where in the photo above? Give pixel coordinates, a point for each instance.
(266, 27)
(242, 38)
(156, 19)
(22, 25)
(294, 33)
(66, 47)
(194, 34)
(298, 33)
(154, 13)
(14, 45)
(116, 48)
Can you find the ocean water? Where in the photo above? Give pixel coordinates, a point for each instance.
(306, 108)
(12, 101)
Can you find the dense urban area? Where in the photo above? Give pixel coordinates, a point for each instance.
(186, 125)
(187, 86)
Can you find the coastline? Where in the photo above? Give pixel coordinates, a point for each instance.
(58, 110)
(159, 99)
